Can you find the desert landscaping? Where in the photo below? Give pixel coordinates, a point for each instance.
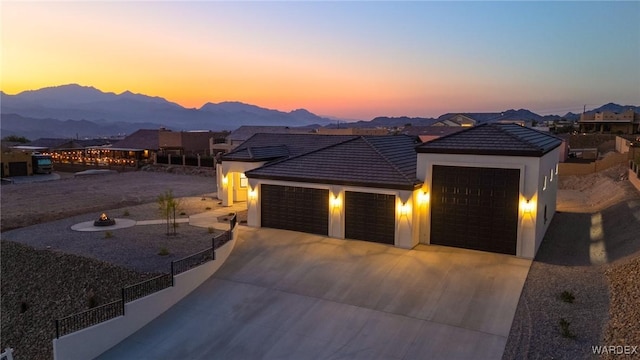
(50, 271)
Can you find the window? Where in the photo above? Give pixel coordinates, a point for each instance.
(244, 182)
(556, 169)
(551, 174)
(544, 187)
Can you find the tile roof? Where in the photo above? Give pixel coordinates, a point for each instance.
(368, 161)
(494, 139)
(265, 147)
(143, 139)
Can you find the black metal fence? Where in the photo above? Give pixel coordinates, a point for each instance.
(98, 314)
(89, 317)
(192, 261)
(147, 287)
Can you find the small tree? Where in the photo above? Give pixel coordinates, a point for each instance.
(168, 206)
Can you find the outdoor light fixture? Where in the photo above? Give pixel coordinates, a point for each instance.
(423, 197)
(336, 202)
(253, 194)
(527, 207)
(404, 209)
(225, 180)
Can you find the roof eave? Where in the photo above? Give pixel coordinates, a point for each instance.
(367, 184)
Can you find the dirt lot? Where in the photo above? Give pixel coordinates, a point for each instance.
(35, 203)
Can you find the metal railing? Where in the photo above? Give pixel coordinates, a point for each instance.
(147, 287)
(192, 261)
(98, 314)
(89, 317)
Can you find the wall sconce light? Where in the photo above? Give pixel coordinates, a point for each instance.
(404, 209)
(423, 197)
(225, 180)
(253, 194)
(336, 202)
(527, 207)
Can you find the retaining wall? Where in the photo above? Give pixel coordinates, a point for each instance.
(91, 342)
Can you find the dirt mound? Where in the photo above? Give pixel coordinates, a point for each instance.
(594, 192)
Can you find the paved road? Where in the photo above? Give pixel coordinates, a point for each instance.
(289, 295)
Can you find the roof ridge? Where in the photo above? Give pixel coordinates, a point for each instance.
(395, 167)
(500, 127)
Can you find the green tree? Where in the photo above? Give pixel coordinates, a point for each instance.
(169, 206)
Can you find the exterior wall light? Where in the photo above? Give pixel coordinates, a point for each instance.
(225, 180)
(253, 194)
(423, 197)
(336, 202)
(527, 206)
(403, 209)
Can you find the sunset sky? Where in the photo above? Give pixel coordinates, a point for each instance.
(354, 60)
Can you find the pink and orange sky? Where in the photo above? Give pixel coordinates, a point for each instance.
(353, 60)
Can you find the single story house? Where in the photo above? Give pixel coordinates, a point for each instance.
(491, 187)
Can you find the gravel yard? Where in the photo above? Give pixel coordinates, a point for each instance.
(50, 271)
(591, 253)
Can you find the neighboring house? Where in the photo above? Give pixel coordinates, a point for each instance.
(188, 142)
(456, 120)
(490, 187)
(15, 163)
(610, 122)
(243, 133)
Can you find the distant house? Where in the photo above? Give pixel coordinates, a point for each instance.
(610, 122)
(243, 133)
(188, 142)
(455, 120)
(491, 187)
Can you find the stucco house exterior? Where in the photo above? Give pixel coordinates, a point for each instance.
(491, 187)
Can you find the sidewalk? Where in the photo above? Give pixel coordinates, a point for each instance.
(210, 218)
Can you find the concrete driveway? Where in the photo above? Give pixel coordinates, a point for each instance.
(291, 295)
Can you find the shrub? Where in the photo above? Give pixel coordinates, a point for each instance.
(564, 329)
(567, 296)
(163, 251)
(182, 213)
(92, 300)
(108, 235)
(211, 230)
(126, 213)
(208, 208)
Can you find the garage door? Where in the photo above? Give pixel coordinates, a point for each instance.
(475, 208)
(18, 169)
(295, 208)
(370, 217)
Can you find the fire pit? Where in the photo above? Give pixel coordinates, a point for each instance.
(104, 220)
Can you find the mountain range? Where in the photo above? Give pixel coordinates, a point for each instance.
(82, 111)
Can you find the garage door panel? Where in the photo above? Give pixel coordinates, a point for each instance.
(475, 208)
(370, 217)
(295, 208)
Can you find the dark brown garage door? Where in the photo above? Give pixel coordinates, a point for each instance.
(18, 169)
(475, 208)
(370, 217)
(295, 208)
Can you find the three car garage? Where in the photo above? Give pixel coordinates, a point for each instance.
(488, 188)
